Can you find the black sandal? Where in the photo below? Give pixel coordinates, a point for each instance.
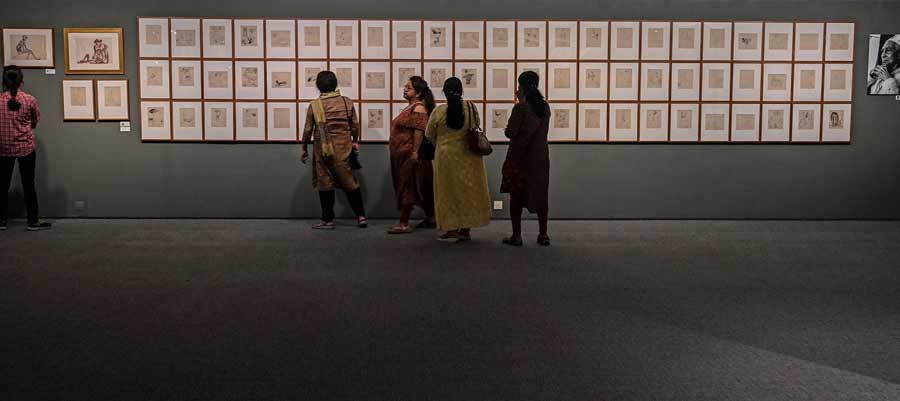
(543, 240)
(513, 240)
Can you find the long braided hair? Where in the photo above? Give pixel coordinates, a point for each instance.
(12, 80)
(453, 91)
(528, 84)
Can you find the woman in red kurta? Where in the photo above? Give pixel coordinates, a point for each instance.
(411, 175)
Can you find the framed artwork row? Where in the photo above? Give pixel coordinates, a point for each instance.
(95, 100)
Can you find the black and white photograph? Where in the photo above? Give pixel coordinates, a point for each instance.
(884, 65)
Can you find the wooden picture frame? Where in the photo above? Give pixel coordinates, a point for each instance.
(94, 51)
(78, 100)
(112, 100)
(29, 47)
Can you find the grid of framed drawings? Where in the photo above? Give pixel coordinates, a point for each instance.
(607, 81)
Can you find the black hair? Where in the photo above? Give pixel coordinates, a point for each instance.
(326, 81)
(528, 84)
(453, 91)
(12, 80)
(421, 87)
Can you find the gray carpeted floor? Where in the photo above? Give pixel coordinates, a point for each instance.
(624, 310)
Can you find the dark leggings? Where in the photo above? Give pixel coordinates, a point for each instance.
(515, 212)
(26, 172)
(354, 197)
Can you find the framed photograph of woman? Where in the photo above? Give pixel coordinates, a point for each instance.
(28, 48)
(94, 51)
(884, 65)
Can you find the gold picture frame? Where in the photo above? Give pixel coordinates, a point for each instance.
(94, 51)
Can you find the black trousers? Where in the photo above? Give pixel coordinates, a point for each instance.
(354, 197)
(26, 171)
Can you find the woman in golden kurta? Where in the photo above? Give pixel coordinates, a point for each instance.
(462, 201)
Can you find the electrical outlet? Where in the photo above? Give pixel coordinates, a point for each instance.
(498, 205)
(78, 208)
(897, 98)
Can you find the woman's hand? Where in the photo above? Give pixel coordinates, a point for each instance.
(304, 156)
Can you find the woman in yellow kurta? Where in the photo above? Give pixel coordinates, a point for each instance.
(462, 201)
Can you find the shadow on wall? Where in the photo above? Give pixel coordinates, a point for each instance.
(49, 198)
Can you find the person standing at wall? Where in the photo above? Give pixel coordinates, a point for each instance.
(19, 116)
(462, 201)
(412, 176)
(333, 127)
(526, 171)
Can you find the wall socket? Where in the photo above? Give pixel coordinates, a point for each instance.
(498, 205)
(79, 207)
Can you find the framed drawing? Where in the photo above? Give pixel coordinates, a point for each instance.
(563, 122)
(251, 121)
(94, 51)
(624, 41)
(343, 39)
(28, 48)
(250, 80)
(347, 76)
(806, 125)
(745, 126)
(748, 41)
(538, 68)
(838, 82)
(594, 40)
(500, 79)
(154, 77)
(188, 117)
(406, 44)
(592, 122)
(281, 39)
(312, 39)
(654, 122)
(469, 42)
(472, 76)
(155, 124)
(376, 39)
(186, 79)
(495, 120)
(280, 77)
(531, 40)
(248, 37)
(217, 39)
(563, 83)
(716, 41)
(656, 45)
(623, 122)
(438, 40)
(836, 122)
(714, 122)
(655, 82)
(808, 85)
(78, 100)
(623, 83)
(436, 73)
(218, 80)
(185, 39)
(375, 122)
(593, 79)
(776, 125)
(563, 40)
(809, 42)
(686, 82)
(839, 39)
(376, 81)
(308, 72)
(746, 83)
(777, 82)
(282, 121)
(884, 65)
(153, 37)
(402, 71)
(779, 44)
(716, 82)
(112, 100)
(685, 122)
(218, 121)
(501, 40)
(686, 37)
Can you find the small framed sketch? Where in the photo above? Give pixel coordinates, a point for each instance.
(218, 121)
(312, 41)
(407, 43)
(188, 118)
(716, 82)
(282, 121)
(78, 100)
(714, 122)
(472, 77)
(376, 77)
(625, 41)
(186, 79)
(376, 39)
(748, 41)
(777, 82)
(248, 36)
(806, 126)
(438, 40)
(717, 41)
(500, 79)
(776, 125)
(218, 79)
(469, 41)
(594, 40)
(839, 39)
(112, 100)
(655, 82)
(655, 45)
(745, 126)
(624, 81)
(155, 121)
(308, 72)
(685, 122)
(563, 124)
(747, 82)
(654, 122)
(347, 73)
(592, 122)
(838, 82)
(593, 81)
(686, 82)
(251, 121)
(563, 81)
(436, 73)
(154, 79)
(280, 78)
(376, 120)
(402, 71)
(779, 44)
(563, 44)
(217, 38)
(686, 36)
(281, 39)
(343, 39)
(250, 80)
(495, 121)
(810, 42)
(94, 51)
(538, 68)
(623, 122)
(153, 36)
(808, 85)
(532, 40)
(501, 40)
(28, 48)
(836, 124)
(185, 38)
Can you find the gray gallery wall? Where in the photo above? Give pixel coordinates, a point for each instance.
(118, 176)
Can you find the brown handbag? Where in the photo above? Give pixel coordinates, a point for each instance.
(476, 140)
